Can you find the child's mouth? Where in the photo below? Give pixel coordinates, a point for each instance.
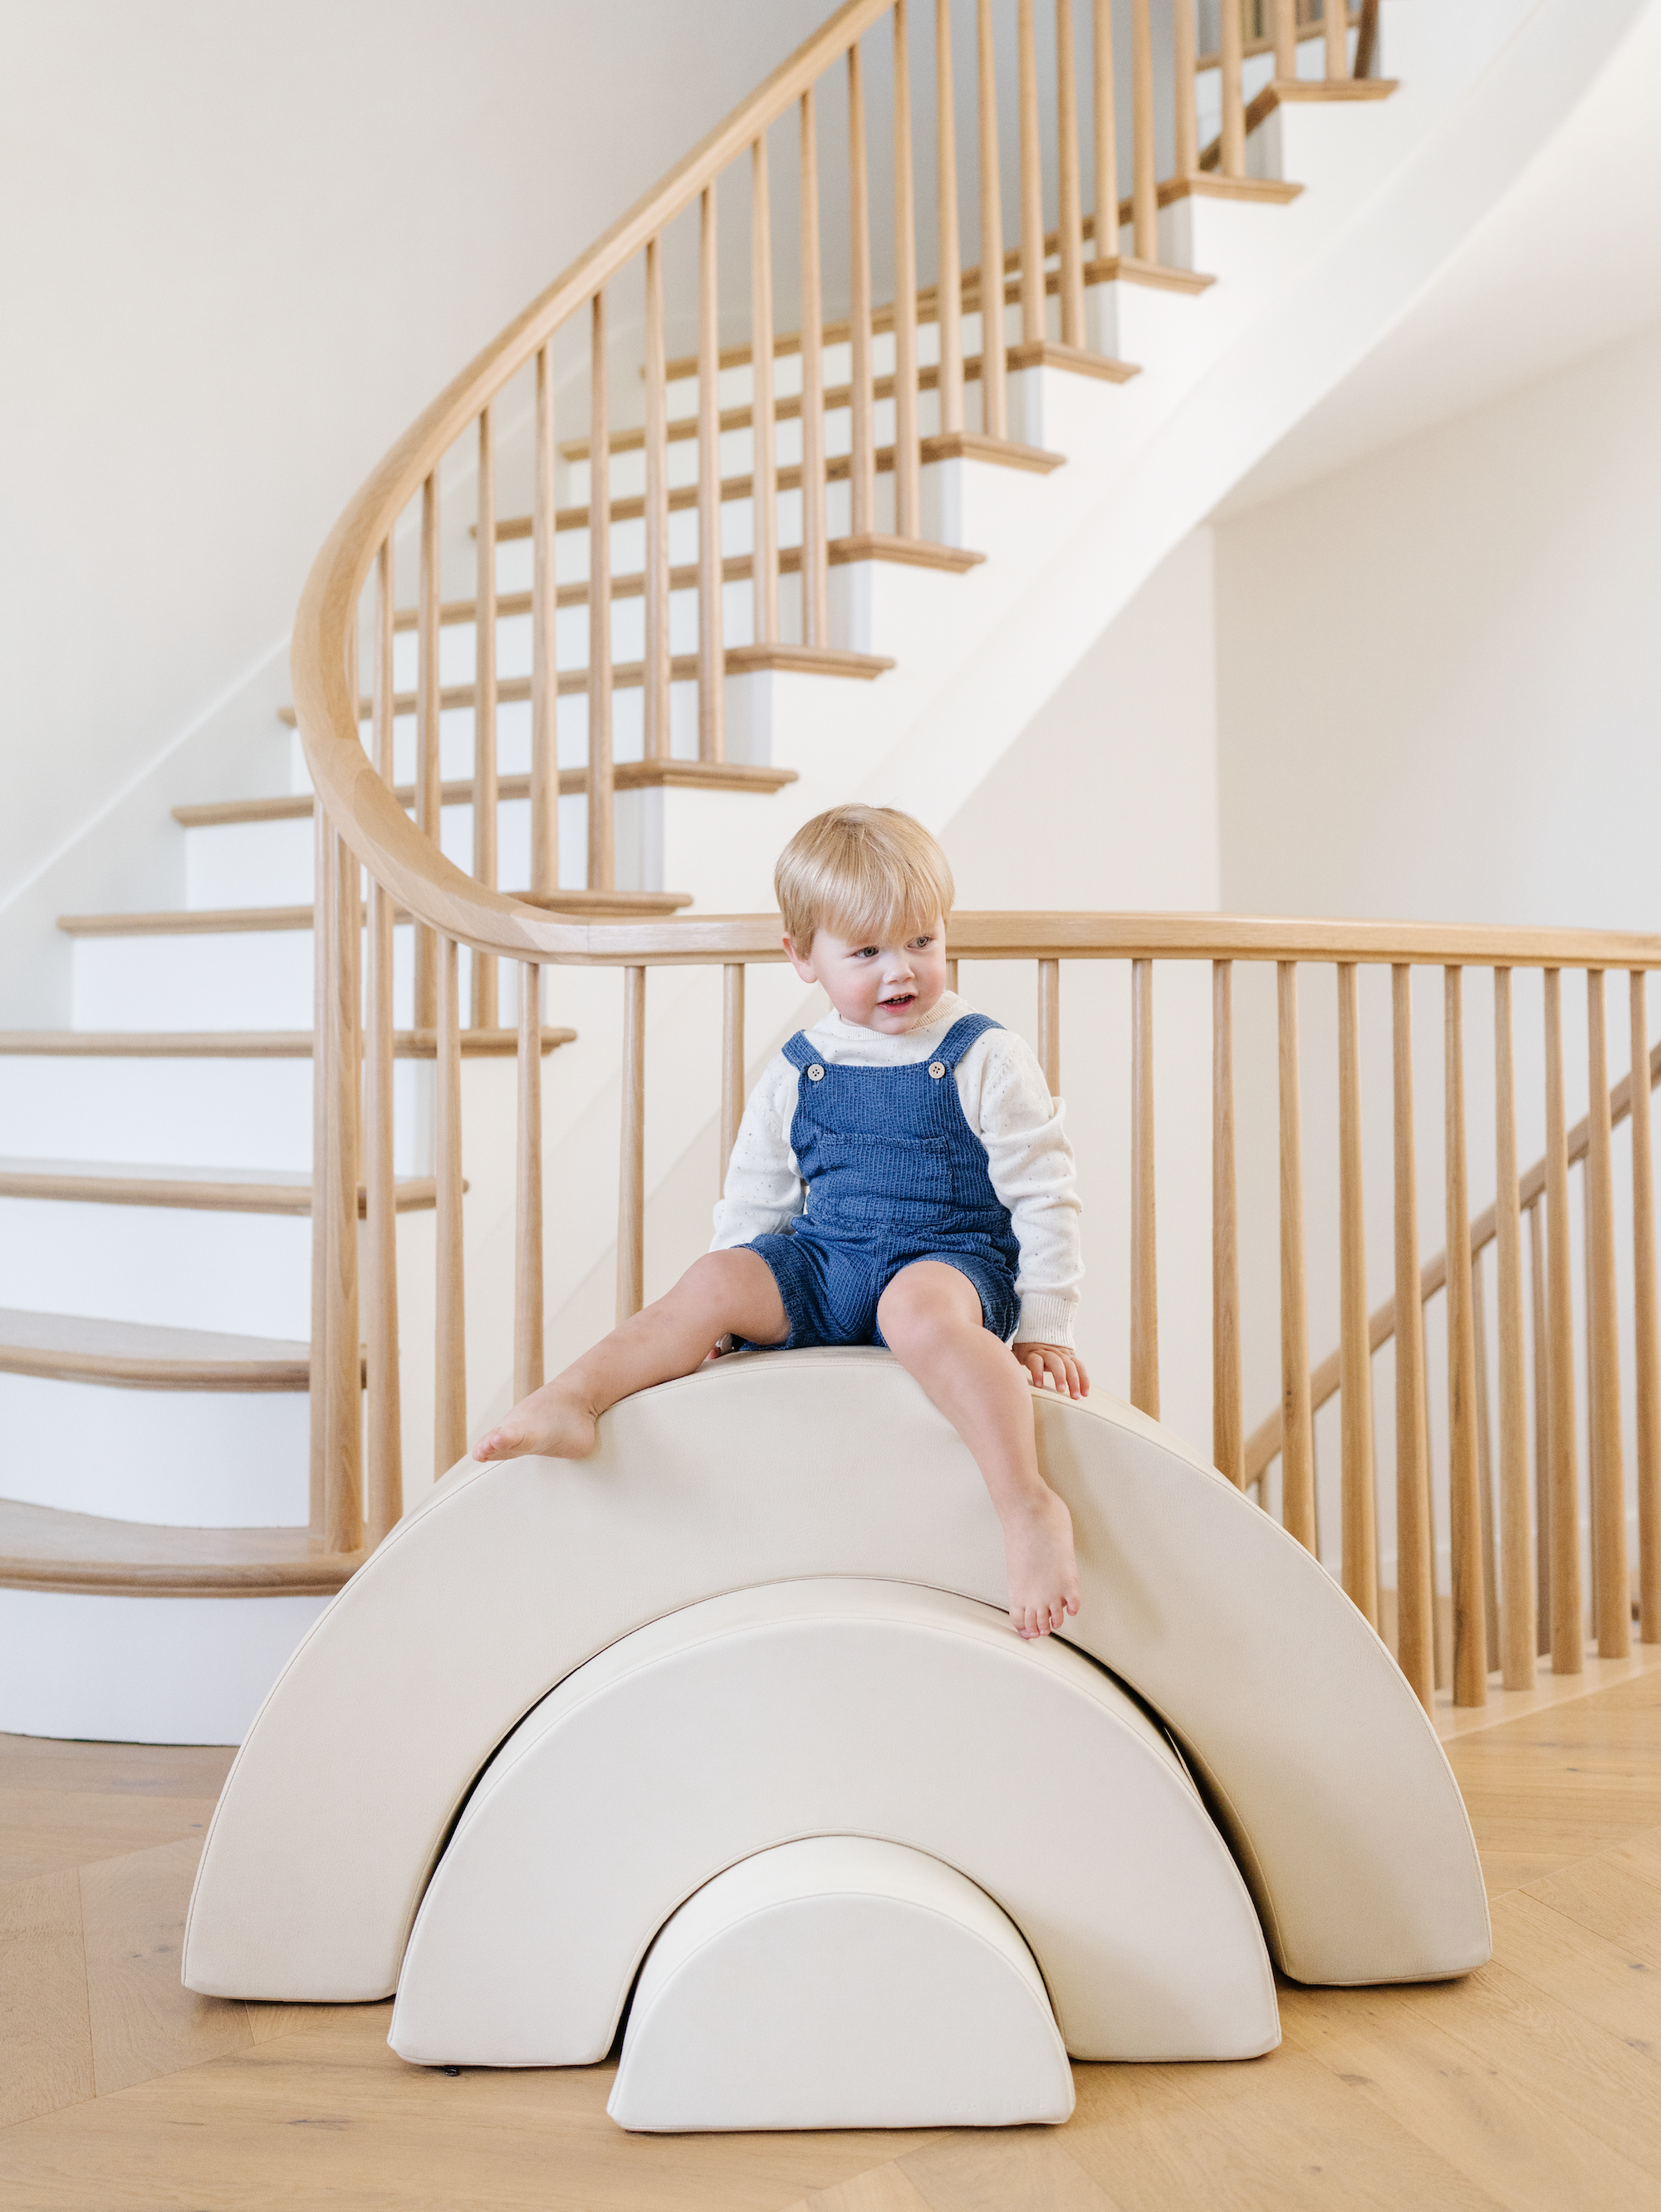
(905, 999)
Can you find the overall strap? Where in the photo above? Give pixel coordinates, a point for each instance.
(799, 1053)
(963, 1033)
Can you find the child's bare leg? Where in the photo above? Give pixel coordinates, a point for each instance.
(930, 1316)
(724, 1292)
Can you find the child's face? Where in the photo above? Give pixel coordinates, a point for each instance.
(886, 988)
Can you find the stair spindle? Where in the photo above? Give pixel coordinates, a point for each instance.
(1185, 145)
(631, 1156)
(1415, 1556)
(861, 402)
(950, 287)
(1517, 1570)
(711, 662)
(1284, 33)
(1542, 1413)
(528, 1320)
(1609, 1485)
(1068, 215)
(764, 492)
(483, 1012)
(1464, 1521)
(994, 380)
(732, 1059)
(1567, 1620)
(907, 473)
(544, 659)
(383, 1421)
(816, 581)
(1485, 1458)
(428, 793)
(323, 877)
(1227, 1427)
(1144, 1244)
(1646, 1334)
(1104, 219)
(1144, 178)
(1031, 159)
(1335, 21)
(1297, 1421)
(1360, 1526)
(657, 643)
(1232, 153)
(602, 811)
(343, 1490)
(450, 1340)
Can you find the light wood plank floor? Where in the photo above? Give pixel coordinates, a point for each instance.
(1535, 2084)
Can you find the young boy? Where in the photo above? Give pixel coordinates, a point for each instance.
(901, 1177)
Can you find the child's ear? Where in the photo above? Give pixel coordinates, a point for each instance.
(802, 962)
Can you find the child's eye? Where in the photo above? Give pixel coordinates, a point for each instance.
(866, 953)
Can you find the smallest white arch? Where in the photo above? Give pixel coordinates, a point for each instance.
(841, 1982)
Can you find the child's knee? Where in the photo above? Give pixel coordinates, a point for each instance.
(926, 1305)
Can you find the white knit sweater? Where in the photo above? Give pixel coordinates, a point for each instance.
(1007, 1103)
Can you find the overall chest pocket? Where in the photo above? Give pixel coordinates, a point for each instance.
(878, 1179)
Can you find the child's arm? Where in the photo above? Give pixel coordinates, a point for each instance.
(1033, 1172)
(763, 1190)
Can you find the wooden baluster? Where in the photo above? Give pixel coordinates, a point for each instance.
(732, 1059)
(657, 646)
(816, 584)
(1360, 1512)
(1144, 180)
(1537, 1307)
(861, 401)
(1567, 1620)
(1609, 1480)
(1517, 1620)
(1144, 1251)
(1366, 37)
(764, 475)
(544, 659)
(631, 1166)
(1297, 1421)
(949, 289)
(712, 658)
(1415, 1558)
(1336, 23)
(484, 1015)
(1464, 1516)
(1646, 1334)
(1227, 1433)
(1484, 1457)
(1104, 219)
(429, 800)
(322, 879)
(343, 1487)
(951, 974)
(1049, 1024)
(1030, 156)
(1231, 156)
(1187, 136)
(907, 459)
(1283, 30)
(528, 1323)
(450, 1334)
(602, 811)
(385, 1461)
(1069, 213)
(994, 380)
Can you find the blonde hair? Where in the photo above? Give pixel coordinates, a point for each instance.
(867, 872)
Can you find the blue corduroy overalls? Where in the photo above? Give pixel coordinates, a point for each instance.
(894, 1174)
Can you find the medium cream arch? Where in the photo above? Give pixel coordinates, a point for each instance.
(1321, 1767)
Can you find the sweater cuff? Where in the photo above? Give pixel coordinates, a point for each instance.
(1046, 1319)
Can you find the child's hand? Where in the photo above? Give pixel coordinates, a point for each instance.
(1064, 1370)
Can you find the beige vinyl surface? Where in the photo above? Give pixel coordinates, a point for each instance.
(1323, 1771)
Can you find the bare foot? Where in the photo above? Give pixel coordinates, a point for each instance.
(550, 1422)
(1037, 1543)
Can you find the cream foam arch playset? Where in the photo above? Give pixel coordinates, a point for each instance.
(728, 1716)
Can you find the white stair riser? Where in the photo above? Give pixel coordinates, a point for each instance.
(181, 1459)
(211, 980)
(159, 1112)
(142, 1670)
(247, 1274)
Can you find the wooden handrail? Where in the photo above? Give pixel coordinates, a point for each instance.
(1265, 1440)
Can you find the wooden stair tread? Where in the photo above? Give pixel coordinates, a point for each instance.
(217, 920)
(211, 1190)
(630, 676)
(142, 1355)
(628, 775)
(43, 1548)
(243, 1044)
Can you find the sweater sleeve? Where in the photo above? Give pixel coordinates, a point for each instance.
(1033, 1172)
(763, 1191)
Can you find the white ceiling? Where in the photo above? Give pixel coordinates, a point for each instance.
(1568, 265)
